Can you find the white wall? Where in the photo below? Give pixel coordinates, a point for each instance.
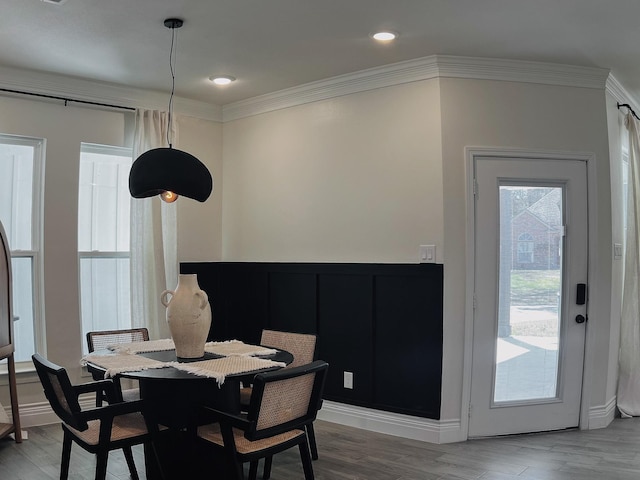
(356, 178)
(368, 177)
(483, 113)
(365, 177)
(200, 224)
(64, 129)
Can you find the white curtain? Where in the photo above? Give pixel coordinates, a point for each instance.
(154, 257)
(629, 361)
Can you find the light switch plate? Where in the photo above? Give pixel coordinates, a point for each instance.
(617, 250)
(427, 254)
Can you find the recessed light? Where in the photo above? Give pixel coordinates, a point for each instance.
(222, 80)
(385, 36)
(55, 2)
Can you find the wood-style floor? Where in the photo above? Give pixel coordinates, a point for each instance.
(612, 453)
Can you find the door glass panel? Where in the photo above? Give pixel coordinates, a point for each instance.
(530, 280)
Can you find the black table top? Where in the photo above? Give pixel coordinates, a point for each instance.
(170, 373)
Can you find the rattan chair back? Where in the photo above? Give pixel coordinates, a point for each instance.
(100, 340)
(59, 392)
(301, 345)
(285, 399)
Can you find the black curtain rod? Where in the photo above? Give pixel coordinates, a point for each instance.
(66, 100)
(626, 105)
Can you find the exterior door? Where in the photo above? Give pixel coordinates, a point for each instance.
(530, 312)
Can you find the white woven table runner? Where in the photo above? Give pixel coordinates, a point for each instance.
(115, 364)
(226, 348)
(143, 347)
(219, 368)
(236, 347)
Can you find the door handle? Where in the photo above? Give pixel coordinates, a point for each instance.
(581, 319)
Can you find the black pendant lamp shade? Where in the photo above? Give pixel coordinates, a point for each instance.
(166, 171)
(169, 170)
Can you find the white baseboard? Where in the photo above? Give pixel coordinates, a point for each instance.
(406, 426)
(396, 424)
(40, 413)
(602, 415)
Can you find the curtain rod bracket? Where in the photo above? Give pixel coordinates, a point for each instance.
(627, 106)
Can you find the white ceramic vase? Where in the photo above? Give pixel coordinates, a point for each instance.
(188, 316)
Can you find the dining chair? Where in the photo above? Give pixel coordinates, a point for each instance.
(303, 348)
(97, 430)
(7, 345)
(100, 340)
(282, 403)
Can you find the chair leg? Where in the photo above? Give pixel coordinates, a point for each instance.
(306, 459)
(101, 465)
(151, 446)
(266, 473)
(66, 456)
(234, 463)
(311, 435)
(128, 455)
(253, 470)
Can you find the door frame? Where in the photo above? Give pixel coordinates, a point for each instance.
(471, 153)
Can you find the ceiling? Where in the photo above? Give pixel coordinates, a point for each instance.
(270, 45)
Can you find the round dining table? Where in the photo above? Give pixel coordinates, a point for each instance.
(176, 398)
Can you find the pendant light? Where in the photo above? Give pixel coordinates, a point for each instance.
(170, 172)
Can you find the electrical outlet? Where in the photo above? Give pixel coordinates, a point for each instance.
(348, 380)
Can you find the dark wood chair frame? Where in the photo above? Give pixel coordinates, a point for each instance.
(291, 342)
(73, 417)
(132, 335)
(7, 347)
(248, 424)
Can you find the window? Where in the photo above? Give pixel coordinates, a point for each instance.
(525, 248)
(103, 238)
(21, 160)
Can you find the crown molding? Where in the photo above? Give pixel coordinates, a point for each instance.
(361, 81)
(620, 94)
(435, 66)
(101, 92)
(479, 68)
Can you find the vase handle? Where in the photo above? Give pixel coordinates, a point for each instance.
(204, 298)
(164, 299)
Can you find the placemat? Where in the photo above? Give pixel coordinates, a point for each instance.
(237, 347)
(219, 368)
(142, 347)
(115, 364)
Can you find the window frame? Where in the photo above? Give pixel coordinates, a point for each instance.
(35, 253)
(526, 239)
(111, 150)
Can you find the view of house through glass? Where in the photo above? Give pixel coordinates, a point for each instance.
(530, 286)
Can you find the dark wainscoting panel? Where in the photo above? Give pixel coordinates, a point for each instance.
(382, 322)
(405, 342)
(293, 302)
(346, 335)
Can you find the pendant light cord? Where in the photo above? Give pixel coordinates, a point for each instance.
(172, 61)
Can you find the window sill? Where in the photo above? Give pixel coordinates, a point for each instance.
(25, 373)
